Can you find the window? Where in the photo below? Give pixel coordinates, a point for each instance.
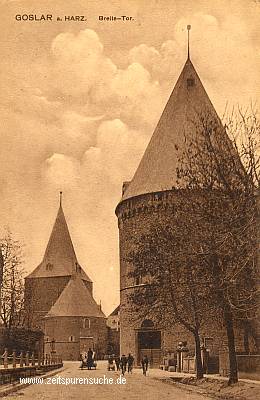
(86, 323)
(147, 323)
(47, 339)
(72, 339)
(190, 82)
(49, 267)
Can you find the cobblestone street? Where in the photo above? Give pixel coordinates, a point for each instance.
(137, 387)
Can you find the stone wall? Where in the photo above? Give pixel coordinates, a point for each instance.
(246, 363)
(40, 296)
(67, 331)
(135, 217)
(113, 341)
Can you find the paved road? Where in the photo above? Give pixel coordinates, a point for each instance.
(137, 387)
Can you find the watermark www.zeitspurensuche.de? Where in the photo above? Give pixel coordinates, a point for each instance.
(59, 380)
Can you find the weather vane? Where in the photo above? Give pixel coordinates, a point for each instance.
(60, 199)
(188, 29)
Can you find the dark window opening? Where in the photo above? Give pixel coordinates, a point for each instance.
(138, 280)
(147, 323)
(49, 267)
(190, 82)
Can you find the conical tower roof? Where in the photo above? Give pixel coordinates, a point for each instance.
(59, 258)
(157, 169)
(75, 301)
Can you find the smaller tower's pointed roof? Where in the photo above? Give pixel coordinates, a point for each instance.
(115, 312)
(59, 258)
(75, 301)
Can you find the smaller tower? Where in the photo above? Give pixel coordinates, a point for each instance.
(44, 285)
(59, 300)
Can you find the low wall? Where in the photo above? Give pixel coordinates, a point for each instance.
(13, 367)
(246, 363)
(11, 375)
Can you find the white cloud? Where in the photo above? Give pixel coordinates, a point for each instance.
(115, 156)
(79, 63)
(61, 170)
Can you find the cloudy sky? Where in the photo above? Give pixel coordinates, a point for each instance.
(79, 102)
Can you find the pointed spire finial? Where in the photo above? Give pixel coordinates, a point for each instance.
(188, 29)
(60, 199)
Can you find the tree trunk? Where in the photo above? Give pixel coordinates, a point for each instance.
(199, 366)
(228, 321)
(246, 338)
(228, 318)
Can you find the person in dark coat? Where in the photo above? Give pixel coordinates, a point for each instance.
(130, 363)
(89, 358)
(117, 361)
(144, 363)
(123, 363)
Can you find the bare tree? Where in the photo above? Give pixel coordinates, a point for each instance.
(202, 261)
(1, 273)
(12, 288)
(173, 279)
(226, 174)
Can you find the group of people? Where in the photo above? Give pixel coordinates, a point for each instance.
(123, 363)
(126, 363)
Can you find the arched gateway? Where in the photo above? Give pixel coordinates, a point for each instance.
(149, 342)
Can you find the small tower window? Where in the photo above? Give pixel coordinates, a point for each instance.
(72, 339)
(190, 82)
(86, 323)
(148, 324)
(49, 267)
(138, 280)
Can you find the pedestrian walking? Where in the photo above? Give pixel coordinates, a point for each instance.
(130, 363)
(123, 363)
(144, 363)
(117, 362)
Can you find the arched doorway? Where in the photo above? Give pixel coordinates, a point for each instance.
(149, 343)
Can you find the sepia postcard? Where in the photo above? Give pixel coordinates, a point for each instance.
(130, 199)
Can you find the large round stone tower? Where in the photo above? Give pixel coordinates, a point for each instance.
(150, 197)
